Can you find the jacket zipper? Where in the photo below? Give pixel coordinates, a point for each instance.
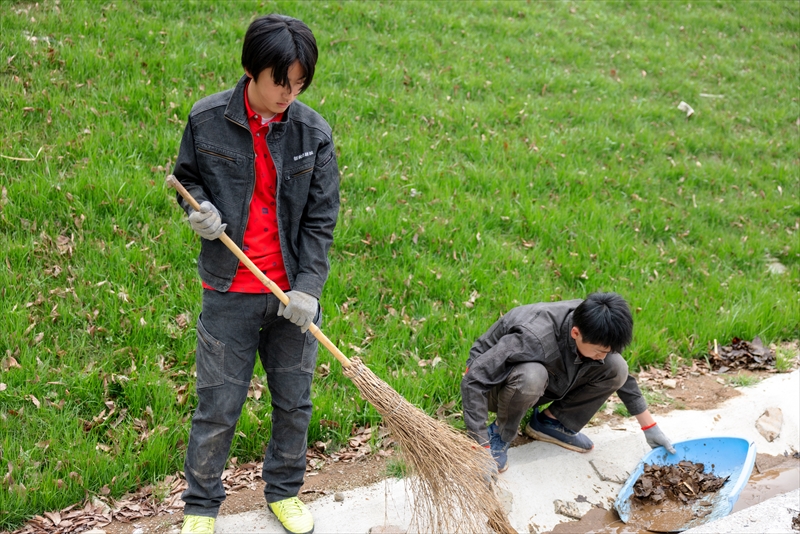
(277, 206)
(277, 186)
(252, 190)
(217, 154)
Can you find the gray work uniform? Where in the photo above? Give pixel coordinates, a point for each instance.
(528, 358)
(216, 162)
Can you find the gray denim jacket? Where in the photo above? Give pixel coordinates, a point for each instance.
(216, 162)
(531, 333)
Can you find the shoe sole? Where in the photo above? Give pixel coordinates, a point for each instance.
(533, 433)
(503, 469)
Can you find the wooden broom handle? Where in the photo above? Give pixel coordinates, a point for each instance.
(322, 338)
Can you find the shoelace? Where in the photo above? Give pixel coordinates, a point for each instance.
(197, 523)
(557, 425)
(290, 507)
(497, 443)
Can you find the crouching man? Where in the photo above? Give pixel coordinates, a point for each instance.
(565, 354)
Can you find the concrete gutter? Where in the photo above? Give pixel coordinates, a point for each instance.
(542, 473)
(771, 516)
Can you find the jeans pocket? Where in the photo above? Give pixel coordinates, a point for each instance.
(309, 362)
(209, 358)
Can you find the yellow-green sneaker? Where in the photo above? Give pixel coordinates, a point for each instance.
(293, 515)
(197, 524)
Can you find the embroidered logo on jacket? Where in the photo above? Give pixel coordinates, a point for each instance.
(304, 155)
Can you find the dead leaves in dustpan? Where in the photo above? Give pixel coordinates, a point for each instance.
(683, 482)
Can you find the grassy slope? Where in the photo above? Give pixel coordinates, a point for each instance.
(492, 154)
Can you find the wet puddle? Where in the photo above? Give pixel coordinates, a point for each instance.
(768, 483)
(774, 476)
(597, 521)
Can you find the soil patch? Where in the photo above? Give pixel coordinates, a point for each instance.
(332, 478)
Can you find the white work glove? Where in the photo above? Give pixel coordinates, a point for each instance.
(207, 222)
(656, 438)
(301, 309)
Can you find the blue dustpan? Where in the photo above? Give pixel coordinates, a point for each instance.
(724, 456)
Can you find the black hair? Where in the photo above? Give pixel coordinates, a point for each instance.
(604, 319)
(276, 42)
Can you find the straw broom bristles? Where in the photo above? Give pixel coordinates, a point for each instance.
(452, 486)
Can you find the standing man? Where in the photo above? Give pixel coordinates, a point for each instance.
(563, 353)
(263, 167)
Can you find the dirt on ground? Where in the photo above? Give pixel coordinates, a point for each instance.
(695, 385)
(332, 478)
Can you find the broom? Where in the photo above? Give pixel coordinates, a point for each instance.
(452, 490)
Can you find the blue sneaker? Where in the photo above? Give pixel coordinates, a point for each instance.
(499, 448)
(551, 430)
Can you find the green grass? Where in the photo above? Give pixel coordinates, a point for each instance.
(656, 397)
(396, 467)
(785, 359)
(492, 154)
(621, 410)
(741, 380)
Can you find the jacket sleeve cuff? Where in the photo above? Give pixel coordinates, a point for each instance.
(636, 406)
(308, 284)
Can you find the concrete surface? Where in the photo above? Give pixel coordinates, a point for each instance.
(541, 473)
(772, 516)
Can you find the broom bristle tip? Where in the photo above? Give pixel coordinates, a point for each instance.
(451, 479)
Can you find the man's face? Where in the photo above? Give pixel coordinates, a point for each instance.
(588, 350)
(268, 98)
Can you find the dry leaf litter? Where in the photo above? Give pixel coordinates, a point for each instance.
(165, 498)
(683, 482)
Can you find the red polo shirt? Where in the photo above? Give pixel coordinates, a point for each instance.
(261, 242)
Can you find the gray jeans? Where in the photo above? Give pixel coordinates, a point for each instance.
(231, 329)
(526, 388)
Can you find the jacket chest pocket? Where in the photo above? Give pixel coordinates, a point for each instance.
(224, 171)
(210, 156)
(217, 163)
(295, 189)
(298, 174)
